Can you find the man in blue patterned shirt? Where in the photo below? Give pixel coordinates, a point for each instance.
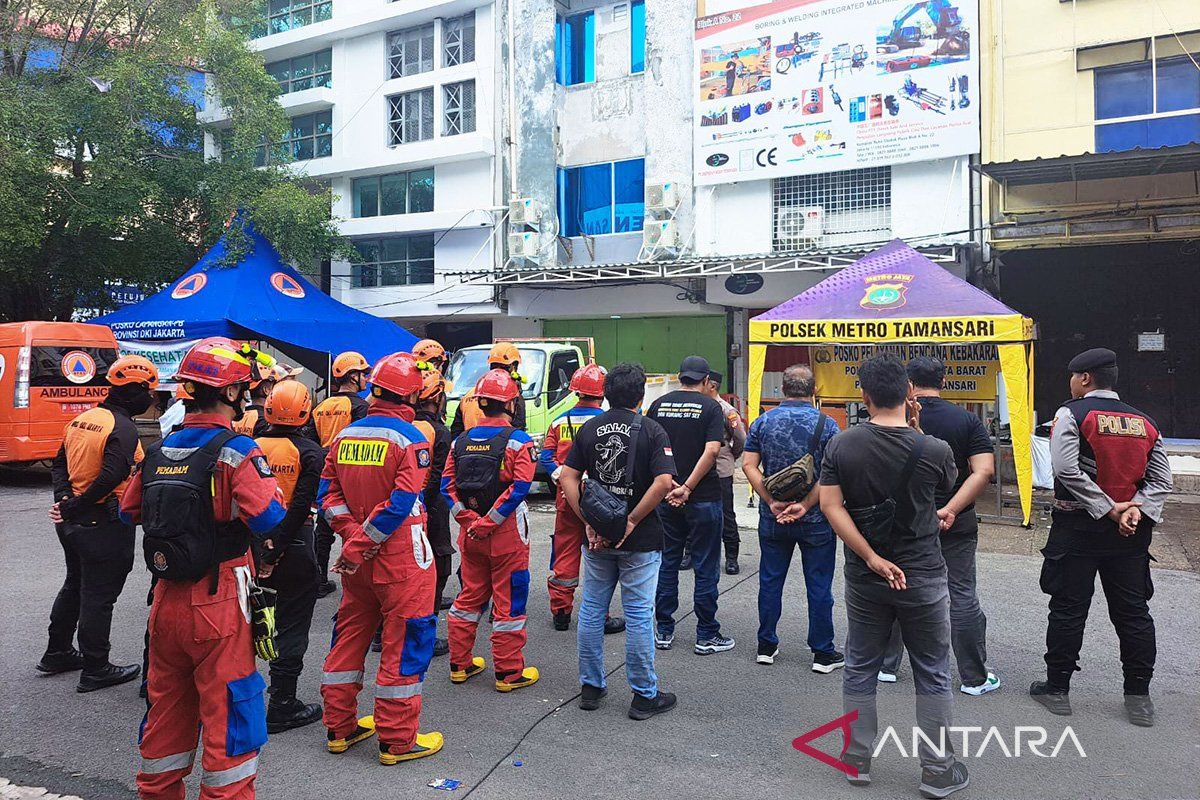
(778, 439)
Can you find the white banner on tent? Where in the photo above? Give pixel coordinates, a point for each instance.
(164, 355)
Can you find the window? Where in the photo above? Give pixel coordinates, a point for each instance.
(410, 52)
(832, 208)
(284, 15)
(303, 72)
(395, 261)
(458, 34)
(602, 198)
(410, 117)
(398, 193)
(1153, 92)
(558, 385)
(310, 136)
(458, 104)
(575, 49)
(637, 37)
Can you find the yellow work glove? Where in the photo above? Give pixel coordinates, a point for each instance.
(262, 620)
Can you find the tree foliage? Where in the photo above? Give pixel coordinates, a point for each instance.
(102, 170)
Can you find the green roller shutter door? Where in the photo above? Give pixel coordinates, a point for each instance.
(657, 343)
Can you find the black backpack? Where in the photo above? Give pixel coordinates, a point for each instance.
(182, 541)
(477, 469)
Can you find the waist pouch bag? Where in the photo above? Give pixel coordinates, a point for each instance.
(477, 469)
(796, 479)
(877, 523)
(604, 511)
(182, 541)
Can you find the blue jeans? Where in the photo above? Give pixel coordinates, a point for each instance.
(699, 526)
(602, 570)
(818, 555)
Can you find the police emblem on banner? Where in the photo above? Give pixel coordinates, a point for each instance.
(885, 291)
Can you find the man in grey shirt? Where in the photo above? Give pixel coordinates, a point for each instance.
(727, 456)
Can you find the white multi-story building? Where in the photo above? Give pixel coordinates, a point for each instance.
(393, 106)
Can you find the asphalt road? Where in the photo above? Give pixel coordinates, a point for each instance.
(730, 736)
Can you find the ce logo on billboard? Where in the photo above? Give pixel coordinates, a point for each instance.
(766, 157)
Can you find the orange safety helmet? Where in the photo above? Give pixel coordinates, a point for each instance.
(435, 385)
(505, 353)
(398, 373)
(497, 384)
(429, 350)
(289, 403)
(589, 380)
(348, 362)
(182, 393)
(216, 361)
(133, 369)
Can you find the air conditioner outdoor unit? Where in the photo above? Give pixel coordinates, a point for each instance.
(798, 223)
(662, 197)
(661, 234)
(524, 246)
(525, 211)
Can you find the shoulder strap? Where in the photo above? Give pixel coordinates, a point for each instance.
(635, 433)
(910, 465)
(816, 436)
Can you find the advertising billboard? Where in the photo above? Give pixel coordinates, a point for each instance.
(805, 86)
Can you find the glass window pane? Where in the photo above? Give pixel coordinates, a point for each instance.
(420, 271)
(324, 61)
(324, 122)
(420, 191)
(275, 7)
(302, 126)
(369, 249)
(324, 147)
(366, 197)
(637, 37)
(1173, 131)
(594, 209)
(323, 12)
(629, 183)
(395, 249)
(1123, 91)
(392, 191)
(280, 71)
(1178, 84)
(302, 66)
(420, 247)
(302, 150)
(302, 17)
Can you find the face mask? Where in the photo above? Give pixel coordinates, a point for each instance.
(140, 404)
(133, 398)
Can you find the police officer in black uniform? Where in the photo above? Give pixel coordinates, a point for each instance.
(1111, 479)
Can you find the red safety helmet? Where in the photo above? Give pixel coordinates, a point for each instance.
(349, 361)
(289, 403)
(497, 384)
(589, 380)
(398, 373)
(133, 369)
(429, 350)
(216, 361)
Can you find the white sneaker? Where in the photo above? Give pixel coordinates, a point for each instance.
(886, 677)
(990, 685)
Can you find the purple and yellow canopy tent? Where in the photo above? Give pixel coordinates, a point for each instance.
(897, 296)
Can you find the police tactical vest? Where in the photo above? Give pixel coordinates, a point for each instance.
(1115, 440)
(182, 540)
(477, 469)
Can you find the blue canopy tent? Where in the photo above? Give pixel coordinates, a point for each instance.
(259, 298)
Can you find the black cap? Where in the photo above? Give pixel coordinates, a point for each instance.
(1096, 358)
(694, 368)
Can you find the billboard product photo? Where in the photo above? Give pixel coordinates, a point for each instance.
(797, 87)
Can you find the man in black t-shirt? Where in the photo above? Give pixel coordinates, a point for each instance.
(692, 515)
(894, 567)
(976, 463)
(601, 449)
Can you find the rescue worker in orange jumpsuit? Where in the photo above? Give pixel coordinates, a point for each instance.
(488, 474)
(431, 420)
(503, 356)
(199, 496)
(99, 450)
(287, 560)
(335, 412)
(569, 537)
(371, 495)
(432, 353)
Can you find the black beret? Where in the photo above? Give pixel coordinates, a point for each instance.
(1096, 358)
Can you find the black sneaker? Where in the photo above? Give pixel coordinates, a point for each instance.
(714, 644)
(325, 589)
(445, 602)
(685, 563)
(110, 675)
(663, 641)
(945, 783)
(647, 707)
(767, 653)
(285, 713)
(614, 625)
(590, 697)
(1140, 710)
(862, 767)
(562, 620)
(440, 647)
(377, 642)
(1054, 699)
(732, 567)
(826, 663)
(54, 663)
